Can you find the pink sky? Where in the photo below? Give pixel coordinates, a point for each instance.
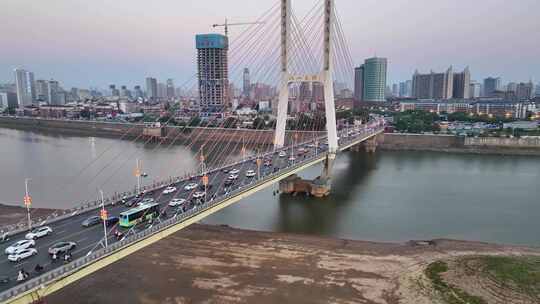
(84, 43)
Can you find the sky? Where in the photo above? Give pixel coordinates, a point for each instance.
(95, 43)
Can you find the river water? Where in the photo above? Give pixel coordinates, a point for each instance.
(388, 196)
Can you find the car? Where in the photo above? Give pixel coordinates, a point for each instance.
(268, 163)
(228, 182)
(62, 247)
(145, 201)
(111, 221)
(202, 187)
(292, 158)
(198, 194)
(282, 154)
(169, 190)
(225, 170)
(233, 176)
(132, 202)
(176, 202)
(22, 254)
(250, 173)
(20, 245)
(4, 279)
(91, 221)
(234, 171)
(38, 232)
(190, 186)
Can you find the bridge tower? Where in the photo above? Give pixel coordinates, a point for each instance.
(325, 77)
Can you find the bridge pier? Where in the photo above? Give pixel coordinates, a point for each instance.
(371, 144)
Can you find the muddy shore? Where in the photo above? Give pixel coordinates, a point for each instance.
(13, 214)
(219, 264)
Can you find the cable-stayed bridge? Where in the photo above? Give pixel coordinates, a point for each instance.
(284, 51)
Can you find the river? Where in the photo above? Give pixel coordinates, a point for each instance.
(387, 196)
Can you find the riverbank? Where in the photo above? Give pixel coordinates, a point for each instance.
(10, 215)
(459, 144)
(219, 264)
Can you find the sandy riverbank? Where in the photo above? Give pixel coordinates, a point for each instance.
(217, 264)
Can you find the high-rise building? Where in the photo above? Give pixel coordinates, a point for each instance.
(151, 88)
(137, 92)
(524, 91)
(433, 85)
(42, 90)
(511, 87)
(114, 91)
(537, 94)
(375, 79)
(55, 96)
(170, 89)
(318, 92)
(491, 85)
(162, 90)
(359, 83)
(475, 90)
(26, 92)
(395, 90)
(247, 82)
(462, 84)
(213, 73)
(8, 100)
(305, 91)
(124, 92)
(405, 88)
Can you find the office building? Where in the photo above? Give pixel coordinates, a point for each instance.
(462, 84)
(524, 91)
(537, 94)
(491, 85)
(162, 90)
(26, 93)
(405, 88)
(42, 90)
(213, 73)
(395, 90)
(124, 92)
(359, 83)
(475, 90)
(247, 82)
(375, 79)
(8, 100)
(305, 91)
(318, 92)
(170, 89)
(137, 92)
(114, 91)
(433, 85)
(151, 88)
(55, 96)
(511, 87)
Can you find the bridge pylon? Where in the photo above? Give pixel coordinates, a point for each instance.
(325, 77)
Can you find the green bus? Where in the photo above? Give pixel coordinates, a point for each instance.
(139, 214)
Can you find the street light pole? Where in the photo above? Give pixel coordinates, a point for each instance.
(27, 202)
(138, 174)
(104, 218)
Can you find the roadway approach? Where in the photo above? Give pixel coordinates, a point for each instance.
(90, 255)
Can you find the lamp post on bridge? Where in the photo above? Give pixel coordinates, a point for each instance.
(27, 202)
(138, 175)
(203, 172)
(104, 216)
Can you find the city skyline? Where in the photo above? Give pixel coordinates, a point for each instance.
(87, 54)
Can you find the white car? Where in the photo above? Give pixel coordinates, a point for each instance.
(22, 254)
(234, 171)
(233, 176)
(38, 232)
(198, 194)
(176, 202)
(282, 154)
(20, 245)
(190, 186)
(292, 158)
(169, 190)
(250, 173)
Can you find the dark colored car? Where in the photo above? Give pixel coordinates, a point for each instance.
(111, 221)
(228, 182)
(91, 221)
(4, 279)
(62, 247)
(131, 202)
(208, 187)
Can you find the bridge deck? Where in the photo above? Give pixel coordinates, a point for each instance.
(90, 256)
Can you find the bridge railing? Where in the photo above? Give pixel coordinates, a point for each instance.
(91, 257)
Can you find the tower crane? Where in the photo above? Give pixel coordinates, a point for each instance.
(227, 24)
